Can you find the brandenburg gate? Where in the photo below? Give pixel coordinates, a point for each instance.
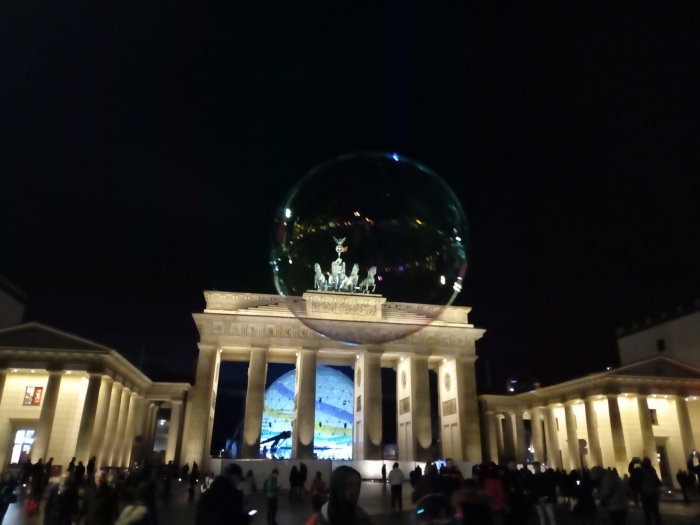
(411, 338)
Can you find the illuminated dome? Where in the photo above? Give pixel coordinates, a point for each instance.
(333, 422)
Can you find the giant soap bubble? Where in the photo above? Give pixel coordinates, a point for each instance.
(363, 227)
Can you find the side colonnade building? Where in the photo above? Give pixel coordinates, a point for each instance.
(650, 408)
(63, 396)
(261, 329)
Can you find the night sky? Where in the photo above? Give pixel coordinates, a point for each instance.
(145, 146)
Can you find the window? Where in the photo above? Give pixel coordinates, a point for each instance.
(556, 419)
(33, 395)
(654, 417)
(358, 404)
(404, 405)
(660, 345)
(24, 438)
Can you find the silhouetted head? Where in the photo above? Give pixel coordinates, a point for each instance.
(344, 494)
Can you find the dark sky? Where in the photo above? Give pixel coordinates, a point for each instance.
(144, 148)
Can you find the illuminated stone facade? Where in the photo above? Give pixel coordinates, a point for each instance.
(63, 396)
(258, 329)
(650, 408)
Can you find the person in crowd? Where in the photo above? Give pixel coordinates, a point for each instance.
(192, 482)
(543, 488)
(138, 511)
(693, 465)
(7, 493)
(683, 479)
(36, 488)
(516, 500)
(318, 492)
(611, 494)
(271, 488)
(650, 493)
(90, 469)
(99, 505)
(428, 484)
(383, 472)
(71, 466)
(451, 478)
(303, 476)
(251, 479)
(396, 479)
(585, 508)
(79, 474)
(206, 482)
(294, 480)
(635, 471)
(185, 471)
(472, 504)
(492, 480)
(341, 507)
(222, 503)
(61, 504)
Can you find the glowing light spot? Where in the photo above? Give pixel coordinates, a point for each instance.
(395, 156)
(419, 221)
(458, 239)
(356, 213)
(288, 213)
(442, 279)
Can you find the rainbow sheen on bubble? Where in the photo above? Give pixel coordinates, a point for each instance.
(389, 225)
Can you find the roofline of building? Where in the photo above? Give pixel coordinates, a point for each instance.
(12, 289)
(663, 318)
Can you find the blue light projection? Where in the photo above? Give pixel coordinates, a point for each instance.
(333, 421)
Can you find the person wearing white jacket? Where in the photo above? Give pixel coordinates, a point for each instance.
(396, 481)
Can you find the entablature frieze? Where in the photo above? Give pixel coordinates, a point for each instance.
(221, 330)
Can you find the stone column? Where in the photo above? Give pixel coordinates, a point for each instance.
(254, 403)
(509, 435)
(101, 412)
(46, 416)
(491, 423)
(571, 437)
(173, 430)
(3, 377)
(201, 405)
(459, 410)
(686, 430)
(87, 419)
(124, 451)
(414, 432)
(500, 438)
(117, 443)
(537, 437)
(104, 456)
(367, 432)
(135, 416)
(646, 427)
(304, 405)
(520, 441)
(596, 453)
(618, 435)
(553, 457)
(151, 426)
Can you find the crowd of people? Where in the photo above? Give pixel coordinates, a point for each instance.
(490, 494)
(85, 496)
